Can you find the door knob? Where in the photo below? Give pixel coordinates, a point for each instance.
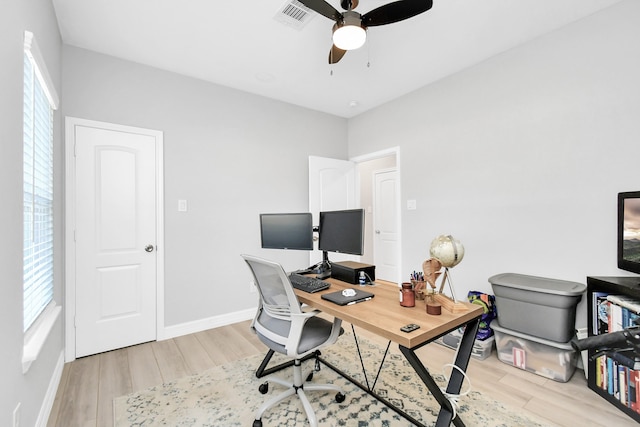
(148, 248)
(377, 231)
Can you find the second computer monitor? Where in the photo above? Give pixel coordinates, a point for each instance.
(342, 231)
(286, 231)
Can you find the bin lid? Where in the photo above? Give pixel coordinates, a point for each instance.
(538, 284)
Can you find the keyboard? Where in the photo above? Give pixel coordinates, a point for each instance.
(307, 283)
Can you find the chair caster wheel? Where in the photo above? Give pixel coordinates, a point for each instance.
(310, 376)
(340, 397)
(263, 389)
(257, 423)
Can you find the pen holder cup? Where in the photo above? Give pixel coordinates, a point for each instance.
(420, 288)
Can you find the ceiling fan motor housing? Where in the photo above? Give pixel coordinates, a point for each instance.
(351, 18)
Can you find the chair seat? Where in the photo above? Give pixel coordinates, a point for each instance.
(316, 331)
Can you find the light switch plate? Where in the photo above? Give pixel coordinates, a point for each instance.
(182, 205)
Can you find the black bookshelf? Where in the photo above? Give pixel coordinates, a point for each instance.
(629, 286)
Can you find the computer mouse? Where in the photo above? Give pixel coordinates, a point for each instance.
(348, 293)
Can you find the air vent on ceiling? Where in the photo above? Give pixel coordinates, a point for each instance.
(294, 14)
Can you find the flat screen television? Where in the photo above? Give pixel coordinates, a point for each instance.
(342, 231)
(287, 231)
(629, 231)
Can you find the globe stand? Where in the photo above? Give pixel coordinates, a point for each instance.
(449, 303)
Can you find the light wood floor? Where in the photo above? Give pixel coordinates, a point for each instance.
(89, 385)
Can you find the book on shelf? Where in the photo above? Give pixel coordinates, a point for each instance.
(615, 317)
(633, 390)
(600, 313)
(622, 384)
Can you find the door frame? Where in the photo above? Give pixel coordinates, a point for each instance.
(377, 155)
(70, 226)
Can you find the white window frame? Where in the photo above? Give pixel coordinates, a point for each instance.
(36, 334)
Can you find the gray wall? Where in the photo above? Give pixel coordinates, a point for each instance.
(521, 156)
(29, 389)
(230, 154)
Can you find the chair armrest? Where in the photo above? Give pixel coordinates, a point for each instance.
(297, 325)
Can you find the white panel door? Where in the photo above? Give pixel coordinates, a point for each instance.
(332, 187)
(115, 239)
(385, 231)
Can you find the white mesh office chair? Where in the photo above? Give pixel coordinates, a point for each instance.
(282, 326)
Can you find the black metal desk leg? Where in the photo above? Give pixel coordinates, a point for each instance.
(445, 416)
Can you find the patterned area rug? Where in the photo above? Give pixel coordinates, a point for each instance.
(227, 396)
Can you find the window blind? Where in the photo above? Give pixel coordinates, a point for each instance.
(37, 186)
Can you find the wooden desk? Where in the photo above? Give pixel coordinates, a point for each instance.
(383, 315)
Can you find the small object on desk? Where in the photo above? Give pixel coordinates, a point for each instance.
(410, 327)
(407, 296)
(419, 285)
(434, 308)
(431, 269)
(307, 283)
(348, 292)
(339, 297)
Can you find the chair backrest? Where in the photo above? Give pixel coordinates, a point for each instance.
(280, 322)
(276, 293)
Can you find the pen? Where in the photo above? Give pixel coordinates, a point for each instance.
(362, 300)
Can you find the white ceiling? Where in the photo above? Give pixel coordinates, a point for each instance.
(240, 44)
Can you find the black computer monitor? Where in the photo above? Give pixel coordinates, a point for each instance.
(629, 231)
(342, 231)
(287, 231)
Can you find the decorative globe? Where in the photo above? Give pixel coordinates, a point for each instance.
(447, 250)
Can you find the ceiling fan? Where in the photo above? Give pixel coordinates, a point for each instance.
(350, 28)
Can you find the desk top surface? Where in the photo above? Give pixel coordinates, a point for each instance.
(384, 316)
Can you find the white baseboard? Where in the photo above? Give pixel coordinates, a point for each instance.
(208, 323)
(50, 396)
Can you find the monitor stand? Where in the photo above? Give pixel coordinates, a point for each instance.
(324, 269)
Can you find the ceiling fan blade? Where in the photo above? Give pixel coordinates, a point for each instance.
(394, 12)
(336, 54)
(323, 8)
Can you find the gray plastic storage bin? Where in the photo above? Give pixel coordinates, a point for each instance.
(544, 308)
(549, 359)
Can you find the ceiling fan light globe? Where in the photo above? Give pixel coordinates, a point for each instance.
(349, 37)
